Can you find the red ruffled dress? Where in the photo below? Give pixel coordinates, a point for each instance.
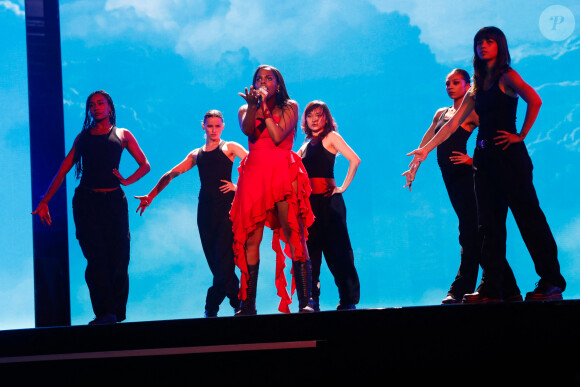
(266, 175)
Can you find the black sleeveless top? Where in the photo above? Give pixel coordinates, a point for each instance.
(496, 110)
(99, 155)
(318, 161)
(214, 166)
(457, 142)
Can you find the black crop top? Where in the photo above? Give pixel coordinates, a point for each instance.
(318, 161)
(99, 155)
(456, 142)
(214, 166)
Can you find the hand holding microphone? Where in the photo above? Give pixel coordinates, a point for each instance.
(252, 96)
(262, 94)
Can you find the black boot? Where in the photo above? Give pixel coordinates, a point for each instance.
(303, 281)
(248, 306)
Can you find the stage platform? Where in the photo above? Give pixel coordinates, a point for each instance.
(495, 344)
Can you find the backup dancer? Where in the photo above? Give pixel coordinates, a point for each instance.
(329, 234)
(456, 169)
(503, 169)
(214, 161)
(273, 190)
(100, 206)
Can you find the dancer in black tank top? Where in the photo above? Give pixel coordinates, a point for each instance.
(503, 170)
(329, 234)
(214, 161)
(99, 205)
(457, 174)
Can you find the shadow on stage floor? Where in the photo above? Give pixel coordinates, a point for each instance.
(502, 343)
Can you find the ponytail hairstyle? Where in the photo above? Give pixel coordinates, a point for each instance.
(213, 113)
(464, 74)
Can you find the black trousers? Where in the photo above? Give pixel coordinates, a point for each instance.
(217, 240)
(329, 235)
(504, 177)
(459, 183)
(102, 229)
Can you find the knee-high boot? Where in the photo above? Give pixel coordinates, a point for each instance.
(248, 306)
(303, 281)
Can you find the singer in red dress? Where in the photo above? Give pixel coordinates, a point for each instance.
(273, 190)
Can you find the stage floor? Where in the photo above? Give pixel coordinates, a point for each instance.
(500, 343)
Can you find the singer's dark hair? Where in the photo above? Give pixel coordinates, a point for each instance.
(282, 97)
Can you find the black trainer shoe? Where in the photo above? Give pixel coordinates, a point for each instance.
(342, 306)
(451, 299)
(104, 320)
(545, 292)
(479, 298)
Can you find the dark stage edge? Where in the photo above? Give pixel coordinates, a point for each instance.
(495, 344)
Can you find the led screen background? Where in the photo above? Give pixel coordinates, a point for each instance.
(379, 65)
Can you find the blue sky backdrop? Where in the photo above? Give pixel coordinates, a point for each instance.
(379, 65)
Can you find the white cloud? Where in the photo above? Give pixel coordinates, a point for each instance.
(568, 236)
(423, 211)
(222, 39)
(19, 302)
(559, 84)
(167, 237)
(553, 50)
(569, 247)
(152, 9)
(448, 27)
(204, 31)
(13, 7)
(198, 29)
(569, 46)
(180, 295)
(566, 131)
(432, 297)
